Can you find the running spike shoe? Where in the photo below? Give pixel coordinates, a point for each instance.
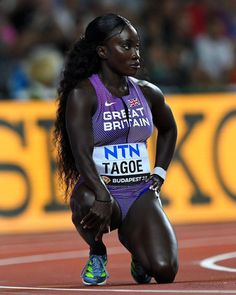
(94, 272)
(138, 273)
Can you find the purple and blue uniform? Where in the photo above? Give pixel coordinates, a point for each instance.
(121, 127)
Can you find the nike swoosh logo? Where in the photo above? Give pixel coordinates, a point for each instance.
(108, 104)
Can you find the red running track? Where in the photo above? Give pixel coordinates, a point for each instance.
(50, 263)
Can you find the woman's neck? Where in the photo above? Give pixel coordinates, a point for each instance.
(115, 83)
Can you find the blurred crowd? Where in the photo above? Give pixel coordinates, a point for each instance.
(187, 45)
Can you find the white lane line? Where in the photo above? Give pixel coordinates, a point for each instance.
(55, 256)
(211, 262)
(186, 243)
(120, 290)
(84, 253)
(191, 243)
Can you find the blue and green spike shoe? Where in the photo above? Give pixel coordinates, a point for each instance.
(138, 272)
(94, 272)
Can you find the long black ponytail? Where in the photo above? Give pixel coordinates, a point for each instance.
(81, 62)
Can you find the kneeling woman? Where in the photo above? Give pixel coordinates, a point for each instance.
(104, 119)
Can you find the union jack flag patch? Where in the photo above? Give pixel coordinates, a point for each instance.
(133, 102)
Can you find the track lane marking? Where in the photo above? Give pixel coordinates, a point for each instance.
(111, 250)
(210, 262)
(55, 256)
(183, 244)
(119, 290)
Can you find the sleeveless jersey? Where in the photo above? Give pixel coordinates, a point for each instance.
(120, 120)
(121, 127)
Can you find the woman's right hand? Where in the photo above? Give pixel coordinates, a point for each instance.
(99, 216)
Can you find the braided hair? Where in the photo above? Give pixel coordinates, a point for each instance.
(81, 62)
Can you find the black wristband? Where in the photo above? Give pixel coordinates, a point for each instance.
(159, 178)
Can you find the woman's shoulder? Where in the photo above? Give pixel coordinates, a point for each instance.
(84, 92)
(83, 85)
(83, 88)
(150, 90)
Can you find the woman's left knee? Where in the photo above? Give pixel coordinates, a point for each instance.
(164, 271)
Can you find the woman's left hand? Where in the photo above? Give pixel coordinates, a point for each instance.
(98, 217)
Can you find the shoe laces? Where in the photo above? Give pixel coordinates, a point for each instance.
(98, 265)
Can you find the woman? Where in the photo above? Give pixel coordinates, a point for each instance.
(103, 121)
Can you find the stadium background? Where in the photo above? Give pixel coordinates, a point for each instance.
(188, 49)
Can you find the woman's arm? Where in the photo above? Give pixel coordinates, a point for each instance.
(80, 108)
(81, 105)
(164, 121)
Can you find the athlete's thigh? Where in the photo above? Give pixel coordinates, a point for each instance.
(146, 231)
(82, 200)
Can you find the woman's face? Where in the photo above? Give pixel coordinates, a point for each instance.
(122, 52)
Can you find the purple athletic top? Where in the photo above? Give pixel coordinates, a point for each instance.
(127, 119)
(121, 127)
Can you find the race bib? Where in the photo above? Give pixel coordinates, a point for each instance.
(122, 163)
